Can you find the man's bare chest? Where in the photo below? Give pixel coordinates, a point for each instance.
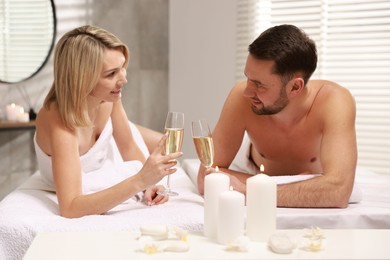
(301, 145)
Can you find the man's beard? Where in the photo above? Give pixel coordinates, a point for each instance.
(276, 107)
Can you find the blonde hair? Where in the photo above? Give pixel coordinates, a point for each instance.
(78, 63)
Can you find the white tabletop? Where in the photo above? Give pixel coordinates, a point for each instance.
(338, 244)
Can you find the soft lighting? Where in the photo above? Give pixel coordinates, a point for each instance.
(231, 188)
(216, 169)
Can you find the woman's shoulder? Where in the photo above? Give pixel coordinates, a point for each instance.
(50, 127)
(47, 117)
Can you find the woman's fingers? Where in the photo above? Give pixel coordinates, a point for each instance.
(170, 171)
(153, 198)
(161, 145)
(161, 149)
(160, 199)
(159, 165)
(173, 156)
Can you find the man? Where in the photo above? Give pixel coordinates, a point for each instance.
(295, 126)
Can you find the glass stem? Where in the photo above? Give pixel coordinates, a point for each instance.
(168, 183)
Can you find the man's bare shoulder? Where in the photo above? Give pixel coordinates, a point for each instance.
(236, 102)
(332, 99)
(237, 94)
(326, 87)
(330, 93)
(238, 89)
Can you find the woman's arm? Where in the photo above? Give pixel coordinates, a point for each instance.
(123, 136)
(68, 181)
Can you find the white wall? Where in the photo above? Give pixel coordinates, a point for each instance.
(201, 60)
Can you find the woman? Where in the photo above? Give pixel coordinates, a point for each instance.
(85, 100)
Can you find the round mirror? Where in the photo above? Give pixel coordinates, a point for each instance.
(27, 32)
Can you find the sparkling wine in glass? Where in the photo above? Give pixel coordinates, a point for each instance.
(174, 128)
(203, 142)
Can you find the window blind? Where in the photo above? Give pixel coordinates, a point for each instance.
(353, 42)
(16, 18)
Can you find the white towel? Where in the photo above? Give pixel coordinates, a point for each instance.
(242, 163)
(102, 166)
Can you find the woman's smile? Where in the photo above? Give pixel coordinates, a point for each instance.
(116, 92)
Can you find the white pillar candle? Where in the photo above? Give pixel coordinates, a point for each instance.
(23, 117)
(214, 184)
(12, 112)
(231, 216)
(261, 207)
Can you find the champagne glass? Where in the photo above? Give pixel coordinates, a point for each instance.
(174, 128)
(203, 141)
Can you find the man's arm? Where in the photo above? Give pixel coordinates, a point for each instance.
(227, 138)
(338, 158)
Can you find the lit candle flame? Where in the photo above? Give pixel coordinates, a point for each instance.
(261, 168)
(216, 169)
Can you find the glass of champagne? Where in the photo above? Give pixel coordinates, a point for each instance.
(174, 128)
(203, 141)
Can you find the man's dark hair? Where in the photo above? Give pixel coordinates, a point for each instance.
(291, 49)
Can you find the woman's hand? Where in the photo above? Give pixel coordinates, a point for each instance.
(152, 198)
(158, 165)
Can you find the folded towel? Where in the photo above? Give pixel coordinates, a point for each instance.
(242, 163)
